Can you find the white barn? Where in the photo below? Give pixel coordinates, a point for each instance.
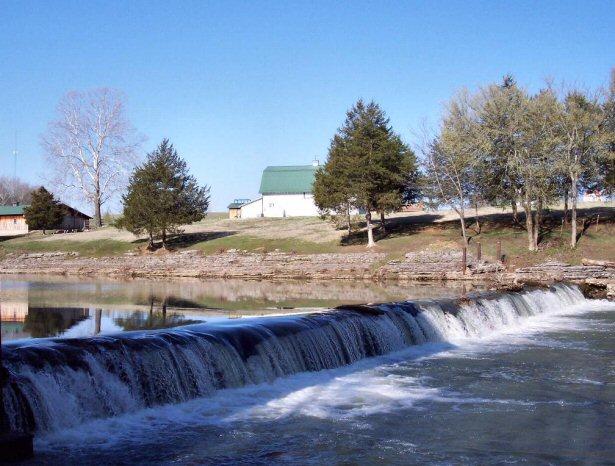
(286, 192)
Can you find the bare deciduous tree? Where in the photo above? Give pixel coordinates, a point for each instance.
(92, 146)
(498, 107)
(13, 190)
(579, 121)
(451, 158)
(533, 162)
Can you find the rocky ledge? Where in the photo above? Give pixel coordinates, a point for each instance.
(424, 265)
(596, 277)
(560, 271)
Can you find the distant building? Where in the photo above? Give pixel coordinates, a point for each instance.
(594, 196)
(13, 220)
(287, 191)
(418, 207)
(234, 208)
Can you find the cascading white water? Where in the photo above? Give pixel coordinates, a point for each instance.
(63, 382)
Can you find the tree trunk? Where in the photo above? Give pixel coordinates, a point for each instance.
(573, 211)
(370, 233)
(515, 212)
(566, 196)
(477, 218)
(150, 244)
(464, 233)
(348, 219)
(537, 223)
(164, 238)
(383, 224)
(529, 225)
(97, 208)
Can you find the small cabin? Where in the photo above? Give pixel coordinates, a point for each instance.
(13, 221)
(234, 208)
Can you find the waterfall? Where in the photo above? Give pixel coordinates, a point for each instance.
(57, 383)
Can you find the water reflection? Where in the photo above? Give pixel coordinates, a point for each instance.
(22, 321)
(35, 307)
(139, 320)
(19, 320)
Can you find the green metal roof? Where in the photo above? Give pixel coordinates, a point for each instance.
(18, 210)
(237, 203)
(288, 180)
(12, 209)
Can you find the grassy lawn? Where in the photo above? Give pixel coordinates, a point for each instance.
(259, 244)
(104, 247)
(311, 235)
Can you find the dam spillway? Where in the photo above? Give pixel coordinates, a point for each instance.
(59, 383)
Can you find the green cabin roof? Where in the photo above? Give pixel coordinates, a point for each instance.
(12, 209)
(237, 203)
(18, 210)
(296, 179)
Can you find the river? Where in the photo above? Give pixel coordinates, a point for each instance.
(522, 378)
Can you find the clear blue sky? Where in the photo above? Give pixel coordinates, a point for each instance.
(238, 86)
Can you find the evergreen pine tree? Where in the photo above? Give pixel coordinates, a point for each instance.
(368, 167)
(162, 195)
(44, 211)
(332, 189)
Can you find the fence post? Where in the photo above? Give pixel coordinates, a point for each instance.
(499, 251)
(597, 223)
(464, 259)
(479, 251)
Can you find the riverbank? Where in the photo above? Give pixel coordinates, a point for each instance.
(418, 246)
(445, 265)
(409, 232)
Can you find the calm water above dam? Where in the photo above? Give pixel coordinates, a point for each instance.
(39, 307)
(521, 378)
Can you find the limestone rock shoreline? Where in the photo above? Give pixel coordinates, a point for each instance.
(422, 266)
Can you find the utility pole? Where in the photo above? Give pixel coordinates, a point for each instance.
(15, 152)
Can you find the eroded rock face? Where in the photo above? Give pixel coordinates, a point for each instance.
(561, 271)
(237, 264)
(443, 265)
(423, 265)
(194, 264)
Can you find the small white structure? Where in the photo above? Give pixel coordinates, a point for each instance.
(286, 192)
(252, 209)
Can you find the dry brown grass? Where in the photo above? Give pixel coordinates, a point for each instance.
(408, 232)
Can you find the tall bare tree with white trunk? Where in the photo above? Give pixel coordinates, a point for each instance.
(91, 146)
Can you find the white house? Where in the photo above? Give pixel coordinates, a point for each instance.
(286, 192)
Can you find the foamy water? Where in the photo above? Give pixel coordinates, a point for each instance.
(348, 395)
